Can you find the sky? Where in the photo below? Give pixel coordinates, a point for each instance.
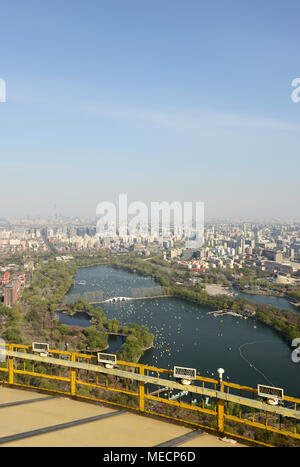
(165, 100)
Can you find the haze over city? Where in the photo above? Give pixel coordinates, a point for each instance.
(161, 100)
(149, 227)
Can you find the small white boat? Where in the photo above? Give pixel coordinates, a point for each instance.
(81, 282)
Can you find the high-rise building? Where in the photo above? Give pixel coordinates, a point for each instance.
(273, 255)
(8, 295)
(12, 292)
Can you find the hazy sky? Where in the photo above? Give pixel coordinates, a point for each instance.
(161, 99)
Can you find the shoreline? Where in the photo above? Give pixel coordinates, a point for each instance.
(280, 331)
(261, 292)
(269, 294)
(182, 295)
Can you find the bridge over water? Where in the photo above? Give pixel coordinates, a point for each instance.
(126, 299)
(63, 306)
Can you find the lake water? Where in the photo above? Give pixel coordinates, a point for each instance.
(279, 302)
(186, 335)
(83, 320)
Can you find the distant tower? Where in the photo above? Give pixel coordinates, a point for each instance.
(243, 244)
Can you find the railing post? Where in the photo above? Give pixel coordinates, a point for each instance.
(221, 403)
(142, 391)
(73, 376)
(11, 366)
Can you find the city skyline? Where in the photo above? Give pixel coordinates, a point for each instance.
(149, 226)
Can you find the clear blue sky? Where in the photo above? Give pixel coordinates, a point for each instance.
(161, 99)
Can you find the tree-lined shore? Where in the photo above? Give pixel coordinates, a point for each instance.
(175, 282)
(34, 317)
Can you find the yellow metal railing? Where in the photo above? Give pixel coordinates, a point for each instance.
(223, 407)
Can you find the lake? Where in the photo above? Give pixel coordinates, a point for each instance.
(186, 335)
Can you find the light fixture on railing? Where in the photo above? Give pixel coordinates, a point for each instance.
(221, 371)
(184, 375)
(41, 348)
(273, 395)
(109, 360)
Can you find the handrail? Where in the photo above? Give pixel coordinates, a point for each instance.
(71, 364)
(160, 382)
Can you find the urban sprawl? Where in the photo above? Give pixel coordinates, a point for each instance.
(272, 248)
